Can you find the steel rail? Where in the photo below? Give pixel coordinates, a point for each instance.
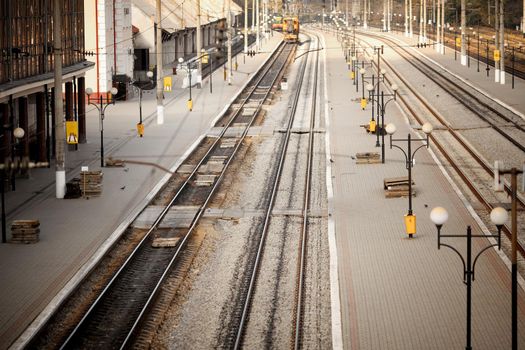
(249, 294)
(443, 151)
(257, 78)
(306, 207)
(444, 80)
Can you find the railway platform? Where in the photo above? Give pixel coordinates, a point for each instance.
(75, 233)
(398, 292)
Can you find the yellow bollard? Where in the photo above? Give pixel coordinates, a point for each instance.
(372, 126)
(224, 73)
(190, 105)
(363, 103)
(140, 129)
(410, 225)
(353, 75)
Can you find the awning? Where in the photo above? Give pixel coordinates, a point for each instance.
(180, 14)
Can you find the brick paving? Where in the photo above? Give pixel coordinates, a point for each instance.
(396, 292)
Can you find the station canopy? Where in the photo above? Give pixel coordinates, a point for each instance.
(181, 14)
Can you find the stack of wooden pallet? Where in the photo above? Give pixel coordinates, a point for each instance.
(397, 187)
(367, 158)
(91, 183)
(25, 231)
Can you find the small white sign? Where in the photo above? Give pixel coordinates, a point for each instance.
(84, 168)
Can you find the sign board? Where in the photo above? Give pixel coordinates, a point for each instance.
(72, 132)
(167, 83)
(497, 56)
(84, 168)
(205, 59)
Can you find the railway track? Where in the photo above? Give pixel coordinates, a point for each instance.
(113, 319)
(301, 268)
(241, 313)
(464, 168)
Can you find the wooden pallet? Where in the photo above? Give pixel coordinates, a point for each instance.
(367, 158)
(25, 231)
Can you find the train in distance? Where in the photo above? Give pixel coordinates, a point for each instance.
(291, 29)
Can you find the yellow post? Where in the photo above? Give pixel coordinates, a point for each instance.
(190, 105)
(410, 225)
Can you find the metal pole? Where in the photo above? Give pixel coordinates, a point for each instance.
(199, 43)
(513, 59)
(60, 157)
(488, 68)
(140, 105)
(463, 29)
(455, 45)
(468, 50)
(383, 127)
(409, 167)
(514, 256)
(245, 27)
(160, 87)
(4, 224)
(189, 80)
(101, 133)
(478, 50)
(211, 73)
(469, 286)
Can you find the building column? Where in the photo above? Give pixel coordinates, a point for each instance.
(81, 96)
(69, 101)
(53, 123)
(23, 122)
(6, 140)
(41, 126)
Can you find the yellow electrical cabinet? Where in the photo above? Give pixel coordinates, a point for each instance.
(410, 225)
(363, 103)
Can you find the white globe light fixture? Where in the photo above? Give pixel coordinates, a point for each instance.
(427, 128)
(439, 216)
(18, 133)
(89, 91)
(499, 216)
(149, 74)
(390, 129)
(369, 87)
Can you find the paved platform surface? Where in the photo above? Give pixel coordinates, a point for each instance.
(74, 232)
(396, 292)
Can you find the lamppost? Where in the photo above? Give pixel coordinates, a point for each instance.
(18, 133)
(371, 92)
(392, 97)
(513, 172)
(188, 68)
(103, 103)
(143, 85)
(498, 216)
(410, 219)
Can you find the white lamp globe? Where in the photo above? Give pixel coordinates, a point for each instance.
(181, 59)
(439, 216)
(369, 87)
(362, 71)
(390, 129)
(427, 128)
(383, 72)
(18, 133)
(499, 216)
(149, 74)
(394, 87)
(113, 91)
(89, 91)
